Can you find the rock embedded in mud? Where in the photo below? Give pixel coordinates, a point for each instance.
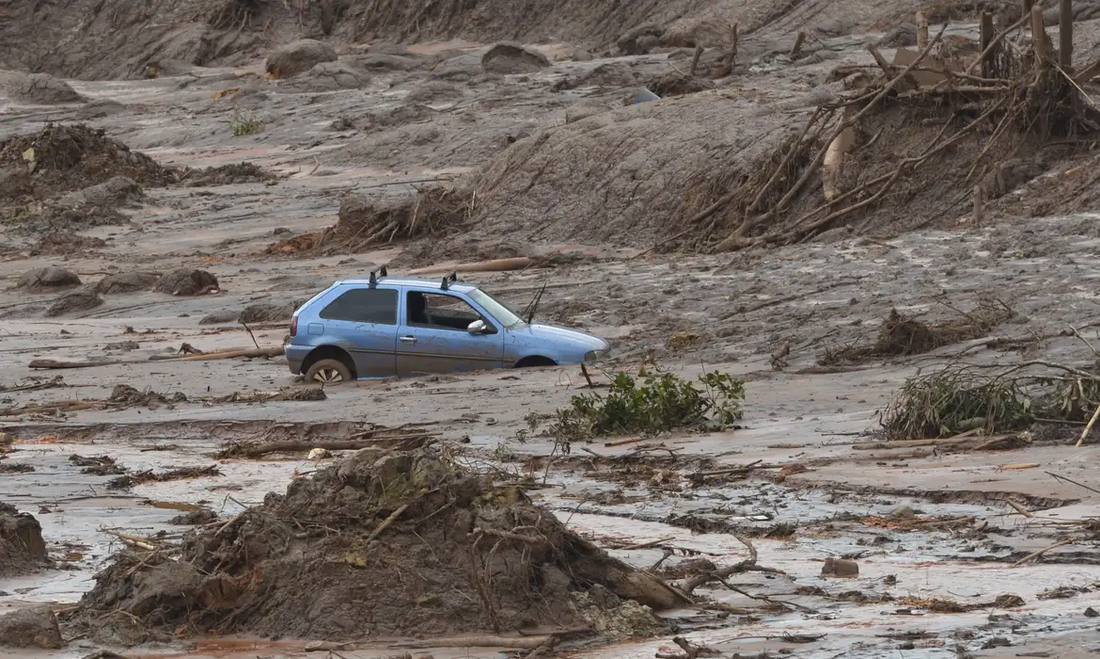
(839, 567)
(38, 88)
(127, 282)
(330, 76)
(512, 59)
(31, 628)
(640, 40)
(459, 68)
(115, 191)
(74, 302)
(298, 57)
(22, 548)
(185, 281)
(48, 278)
(269, 313)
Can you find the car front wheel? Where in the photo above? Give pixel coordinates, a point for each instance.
(328, 372)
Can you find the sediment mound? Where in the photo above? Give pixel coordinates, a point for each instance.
(38, 88)
(48, 278)
(22, 549)
(185, 281)
(127, 282)
(384, 543)
(619, 177)
(368, 220)
(60, 159)
(74, 302)
(512, 58)
(298, 57)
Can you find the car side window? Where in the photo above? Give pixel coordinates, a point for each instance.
(439, 311)
(364, 305)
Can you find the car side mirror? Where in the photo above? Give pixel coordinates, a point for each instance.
(477, 327)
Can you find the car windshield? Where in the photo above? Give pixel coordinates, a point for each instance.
(503, 314)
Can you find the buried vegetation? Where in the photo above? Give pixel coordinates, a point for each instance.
(649, 404)
(961, 398)
(399, 542)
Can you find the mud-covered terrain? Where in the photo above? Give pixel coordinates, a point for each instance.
(176, 178)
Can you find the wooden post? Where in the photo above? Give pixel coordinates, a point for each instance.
(1065, 35)
(796, 52)
(1038, 33)
(986, 39)
(695, 59)
(979, 205)
(922, 30)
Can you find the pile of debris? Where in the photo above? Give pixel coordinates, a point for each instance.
(366, 220)
(385, 542)
(60, 159)
(22, 549)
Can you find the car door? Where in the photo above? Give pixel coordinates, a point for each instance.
(433, 336)
(363, 321)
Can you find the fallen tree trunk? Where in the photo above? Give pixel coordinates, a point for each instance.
(242, 353)
(408, 441)
(494, 265)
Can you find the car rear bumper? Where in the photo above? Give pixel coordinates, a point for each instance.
(295, 355)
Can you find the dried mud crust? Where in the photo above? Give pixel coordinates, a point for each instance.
(382, 543)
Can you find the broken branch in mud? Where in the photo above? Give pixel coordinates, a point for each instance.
(179, 473)
(239, 353)
(1036, 554)
(494, 265)
(381, 439)
(747, 565)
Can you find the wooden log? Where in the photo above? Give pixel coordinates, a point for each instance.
(54, 364)
(494, 265)
(796, 51)
(380, 441)
(695, 59)
(1065, 35)
(1038, 33)
(922, 30)
(986, 39)
(242, 353)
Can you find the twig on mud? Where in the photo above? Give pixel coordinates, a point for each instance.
(246, 328)
(1037, 554)
(765, 598)
(1070, 480)
(386, 522)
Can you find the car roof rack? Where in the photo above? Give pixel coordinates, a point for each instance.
(446, 283)
(373, 279)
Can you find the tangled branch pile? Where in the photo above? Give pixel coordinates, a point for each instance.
(400, 542)
(963, 397)
(366, 221)
(901, 335)
(873, 157)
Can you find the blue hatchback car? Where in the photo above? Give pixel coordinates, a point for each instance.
(381, 327)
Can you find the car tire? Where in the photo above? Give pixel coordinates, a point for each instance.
(328, 372)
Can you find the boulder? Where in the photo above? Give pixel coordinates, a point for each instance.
(640, 40)
(115, 191)
(330, 76)
(74, 302)
(31, 628)
(48, 278)
(511, 59)
(38, 88)
(127, 282)
(298, 57)
(185, 281)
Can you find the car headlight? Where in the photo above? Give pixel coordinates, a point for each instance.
(593, 355)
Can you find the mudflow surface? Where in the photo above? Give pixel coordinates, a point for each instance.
(891, 242)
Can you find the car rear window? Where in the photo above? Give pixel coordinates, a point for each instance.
(364, 305)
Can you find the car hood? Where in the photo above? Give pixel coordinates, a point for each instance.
(561, 335)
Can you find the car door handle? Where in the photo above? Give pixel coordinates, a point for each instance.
(408, 339)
